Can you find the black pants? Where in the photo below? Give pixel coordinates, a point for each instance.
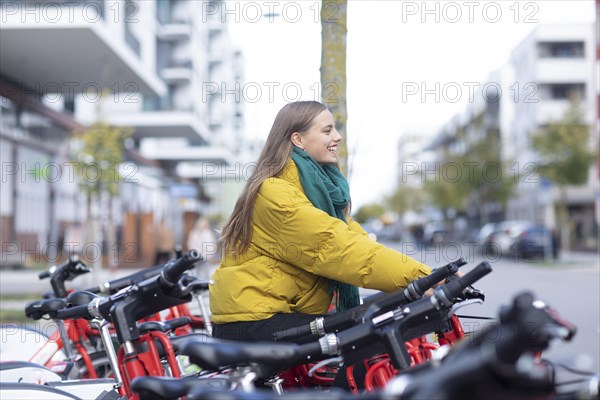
(262, 331)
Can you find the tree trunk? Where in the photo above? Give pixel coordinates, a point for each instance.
(563, 220)
(333, 68)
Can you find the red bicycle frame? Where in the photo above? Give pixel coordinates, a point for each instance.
(379, 369)
(146, 361)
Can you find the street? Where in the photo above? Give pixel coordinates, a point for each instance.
(571, 286)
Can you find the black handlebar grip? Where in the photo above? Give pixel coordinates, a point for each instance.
(476, 274)
(455, 287)
(73, 260)
(307, 352)
(74, 312)
(44, 274)
(174, 269)
(423, 284)
(95, 289)
(178, 249)
(291, 333)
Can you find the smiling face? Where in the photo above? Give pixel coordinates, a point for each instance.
(320, 140)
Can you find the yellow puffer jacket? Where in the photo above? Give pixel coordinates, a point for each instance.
(295, 249)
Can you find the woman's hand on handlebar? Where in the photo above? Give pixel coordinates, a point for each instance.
(429, 292)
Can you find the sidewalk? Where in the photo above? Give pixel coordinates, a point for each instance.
(578, 257)
(22, 283)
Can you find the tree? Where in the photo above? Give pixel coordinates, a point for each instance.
(406, 198)
(565, 157)
(484, 177)
(369, 211)
(97, 167)
(444, 193)
(333, 68)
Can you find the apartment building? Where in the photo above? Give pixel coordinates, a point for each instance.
(467, 150)
(552, 65)
(148, 65)
(556, 63)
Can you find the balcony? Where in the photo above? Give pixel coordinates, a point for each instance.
(191, 154)
(177, 72)
(559, 69)
(174, 31)
(57, 53)
(163, 124)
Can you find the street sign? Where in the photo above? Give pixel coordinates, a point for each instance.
(183, 190)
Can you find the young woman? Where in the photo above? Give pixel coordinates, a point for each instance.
(290, 243)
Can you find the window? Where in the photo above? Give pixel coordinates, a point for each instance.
(131, 11)
(561, 49)
(564, 91)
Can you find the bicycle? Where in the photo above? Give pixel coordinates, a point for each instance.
(263, 360)
(480, 368)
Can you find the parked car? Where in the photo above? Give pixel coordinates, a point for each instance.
(500, 240)
(530, 242)
(436, 233)
(484, 236)
(391, 233)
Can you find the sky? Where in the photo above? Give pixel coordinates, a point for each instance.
(396, 51)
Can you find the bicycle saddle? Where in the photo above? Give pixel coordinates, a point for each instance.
(163, 326)
(80, 298)
(157, 387)
(178, 341)
(38, 308)
(216, 355)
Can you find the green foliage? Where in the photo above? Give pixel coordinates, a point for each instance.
(486, 177)
(99, 158)
(563, 147)
(369, 211)
(406, 198)
(474, 178)
(445, 194)
(565, 158)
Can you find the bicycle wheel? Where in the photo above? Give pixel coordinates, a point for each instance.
(101, 365)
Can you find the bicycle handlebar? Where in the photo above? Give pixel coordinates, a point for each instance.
(448, 292)
(45, 274)
(378, 303)
(483, 361)
(419, 286)
(175, 268)
(74, 312)
(115, 285)
(70, 264)
(68, 271)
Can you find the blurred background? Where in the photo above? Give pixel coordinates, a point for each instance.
(473, 130)
(123, 122)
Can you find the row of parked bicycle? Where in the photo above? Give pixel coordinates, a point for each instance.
(137, 338)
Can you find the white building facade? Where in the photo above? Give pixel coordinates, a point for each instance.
(553, 65)
(148, 65)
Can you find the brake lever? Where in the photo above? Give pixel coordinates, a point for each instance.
(471, 293)
(462, 304)
(191, 284)
(324, 363)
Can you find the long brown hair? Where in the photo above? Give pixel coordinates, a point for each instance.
(293, 117)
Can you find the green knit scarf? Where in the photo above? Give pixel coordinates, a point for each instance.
(328, 190)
